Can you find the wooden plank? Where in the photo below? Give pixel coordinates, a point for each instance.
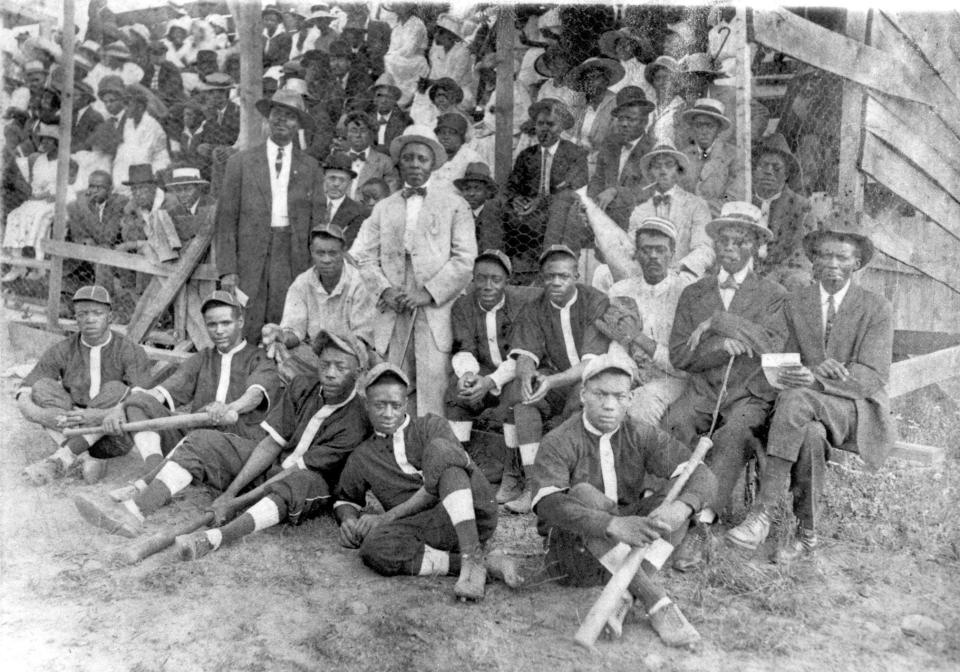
(890, 237)
(25, 261)
(850, 188)
(918, 116)
(912, 374)
(910, 142)
(59, 232)
(744, 83)
(133, 262)
(932, 33)
(196, 329)
(922, 342)
(890, 169)
(927, 456)
(506, 37)
(33, 341)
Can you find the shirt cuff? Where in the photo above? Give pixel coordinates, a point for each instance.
(164, 396)
(274, 434)
(516, 352)
(503, 374)
(342, 502)
(464, 362)
(545, 492)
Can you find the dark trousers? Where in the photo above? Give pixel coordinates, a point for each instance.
(266, 301)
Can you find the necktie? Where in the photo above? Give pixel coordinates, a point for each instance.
(413, 191)
(661, 199)
(358, 156)
(382, 120)
(831, 316)
(278, 164)
(730, 283)
(543, 172)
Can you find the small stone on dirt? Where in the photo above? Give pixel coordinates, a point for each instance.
(358, 608)
(654, 662)
(917, 625)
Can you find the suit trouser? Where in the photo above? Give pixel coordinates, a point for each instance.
(267, 298)
(687, 418)
(806, 423)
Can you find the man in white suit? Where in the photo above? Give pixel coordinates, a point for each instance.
(416, 252)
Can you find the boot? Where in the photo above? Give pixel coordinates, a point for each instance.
(92, 470)
(673, 627)
(803, 545)
(44, 471)
(524, 503)
(511, 480)
(193, 546)
(751, 532)
(110, 516)
(689, 556)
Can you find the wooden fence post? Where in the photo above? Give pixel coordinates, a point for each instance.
(249, 26)
(506, 35)
(744, 87)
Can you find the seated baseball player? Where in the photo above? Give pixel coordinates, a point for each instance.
(233, 375)
(76, 382)
(590, 504)
(330, 295)
(648, 301)
(836, 398)
(556, 332)
(439, 507)
(731, 316)
(481, 320)
(311, 430)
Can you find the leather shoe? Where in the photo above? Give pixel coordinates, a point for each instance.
(673, 627)
(751, 532)
(803, 545)
(689, 556)
(193, 546)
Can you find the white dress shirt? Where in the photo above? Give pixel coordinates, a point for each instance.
(726, 295)
(825, 301)
(279, 218)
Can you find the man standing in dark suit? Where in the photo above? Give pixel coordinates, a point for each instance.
(222, 125)
(342, 211)
(732, 315)
(272, 195)
(618, 183)
(836, 398)
(390, 119)
(542, 182)
(86, 119)
(479, 190)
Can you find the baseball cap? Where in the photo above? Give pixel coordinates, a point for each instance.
(382, 369)
(222, 297)
(497, 256)
(597, 365)
(95, 293)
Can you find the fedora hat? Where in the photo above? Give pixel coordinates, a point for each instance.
(111, 84)
(186, 175)
(339, 48)
(629, 96)
(288, 100)
(339, 161)
(361, 117)
(272, 9)
(140, 173)
(699, 64)
(660, 63)
(708, 107)
(553, 106)
(454, 92)
(476, 172)
(91, 47)
(608, 41)
(82, 61)
(841, 229)
(298, 86)
(451, 25)
(659, 224)
(739, 213)
(611, 68)
(417, 133)
(553, 63)
(454, 121)
(775, 143)
(386, 81)
(664, 148)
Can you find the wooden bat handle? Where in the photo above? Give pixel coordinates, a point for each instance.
(184, 421)
(144, 548)
(601, 610)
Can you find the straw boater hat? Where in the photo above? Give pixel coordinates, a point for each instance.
(476, 172)
(183, 23)
(339, 161)
(660, 63)
(219, 80)
(608, 41)
(629, 96)
(272, 9)
(186, 175)
(665, 148)
(47, 131)
(33, 66)
(417, 133)
(288, 100)
(298, 86)
(708, 107)
(117, 50)
(90, 47)
(742, 214)
(640, 223)
(451, 25)
(386, 81)
(613, 70)
(841, 229)
(320, 15)
(775, 143)
(554, 106)
(111, 84)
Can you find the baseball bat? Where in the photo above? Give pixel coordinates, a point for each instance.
(184, 421)
(609, 599)
(144, 548)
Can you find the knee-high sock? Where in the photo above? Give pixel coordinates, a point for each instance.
(528, 454)
(510, 435)
(268, 512)
(172, 479)
(148, 444)
(461, 429)
(457, 500)
(438, 563)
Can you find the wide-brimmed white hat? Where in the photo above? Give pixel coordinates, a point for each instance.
(417, 133)
(664, 148)
(708, 107)
(739, 213)
(185, 175)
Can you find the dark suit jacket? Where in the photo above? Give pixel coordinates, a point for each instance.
(278, 51)
(629, 184)
(489, 225)
(84, 222)
(862, 340)
(187, 223)
(398, 121)
(223, 132)
(243, 213)
(349, 217)
(568, 171)
(169, 82)
(755, 317)
(84, 126)
(790, 221)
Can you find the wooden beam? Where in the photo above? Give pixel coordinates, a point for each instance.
(918, 116)
(932, 33)
(503, 148)
(922, 342)
(33, 341)
(912, 374)
(744, 81)
(45, 264)
(63, 165)
(132, 262)
(851, 180)
(893, 171)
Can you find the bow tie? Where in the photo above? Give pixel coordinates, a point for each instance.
(730, 283)
(413, 191)
(659, 200)
(358, 156)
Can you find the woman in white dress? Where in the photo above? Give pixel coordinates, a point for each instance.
(405, 59)
(661, 75)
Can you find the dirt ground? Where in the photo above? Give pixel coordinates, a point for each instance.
(293, 599)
